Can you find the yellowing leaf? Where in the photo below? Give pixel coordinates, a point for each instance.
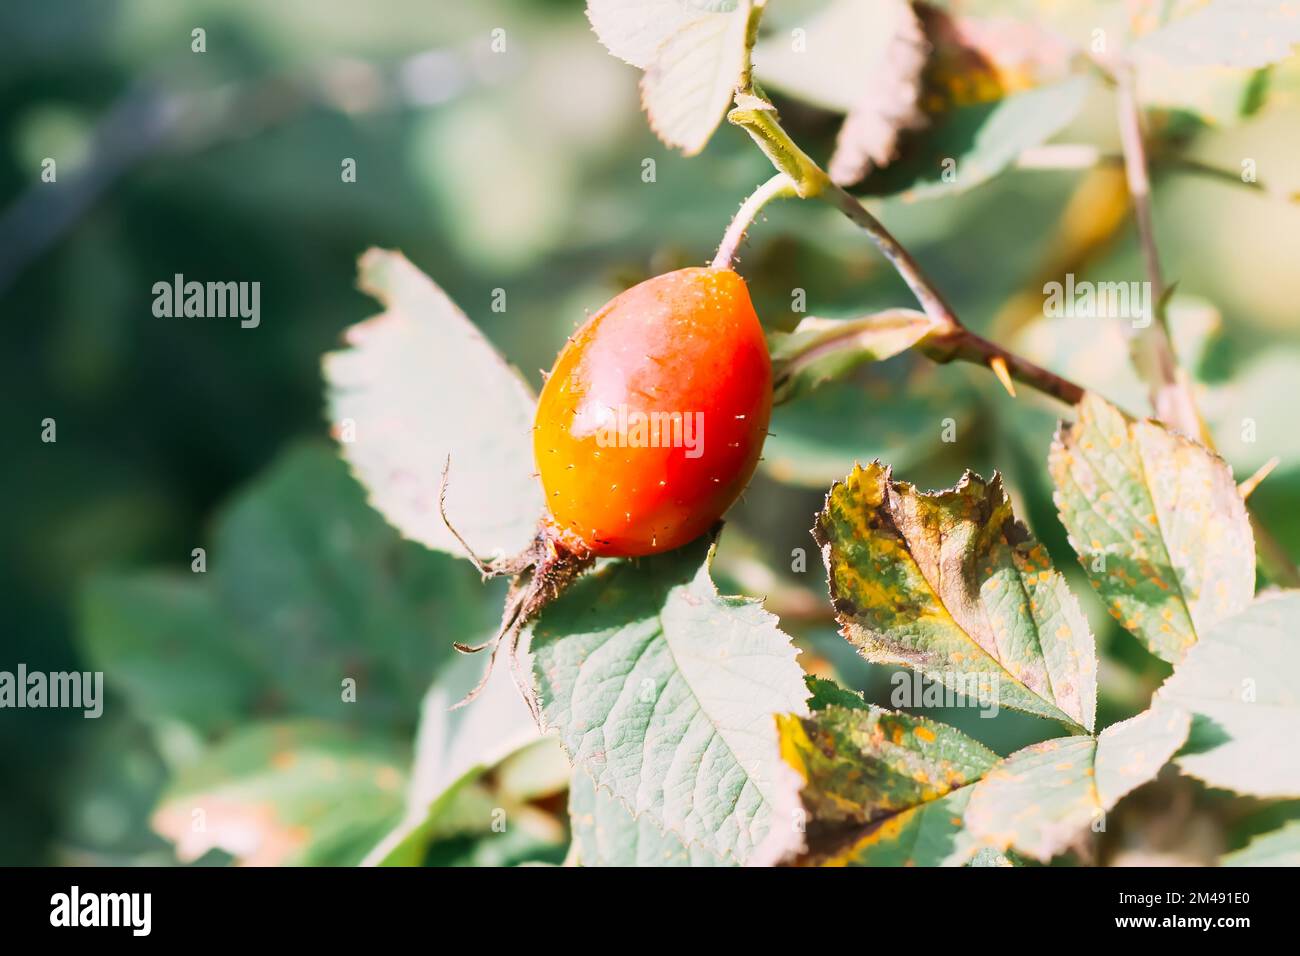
(881, 788)
(950, 584)
(1157, 522)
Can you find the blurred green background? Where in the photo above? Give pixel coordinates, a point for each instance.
(520, 171)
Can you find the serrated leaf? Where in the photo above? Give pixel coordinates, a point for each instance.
(930, 834)
(606, 834)
(1279, 848)
(665, 692)
(819, 350)
(1157, 522)
(284, 795)
(1041, 798)
(690, 82)
(864, 59)
(398, 403)
(1227, 33)
(1238, 681)
(950, 584)
(634, 30)
(881, 788)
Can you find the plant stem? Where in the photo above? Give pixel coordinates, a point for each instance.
(967, 346)
(779, 186)
(1153, 351)
(1171, 394)
(950, 340)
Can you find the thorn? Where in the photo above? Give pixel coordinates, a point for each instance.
(999, 366)
(1251, 483)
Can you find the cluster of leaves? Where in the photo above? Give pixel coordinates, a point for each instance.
(692, 734)
(929, 88)
(286, 680)
(696, 739)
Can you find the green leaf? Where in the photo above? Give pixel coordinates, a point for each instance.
(398, 403)
(454, 749)
(1157, 522)
(306, 588)
(665, 692)
(1238, 681)
(881, 788)
(826, 693)
(162, 640)
(1042, 798)
(1279, 848)
(283, 795)
(819, 350)
(950, 584)
(1226, 33)
(319, 590)
(606, 834)
(969, 145)
(693, 53)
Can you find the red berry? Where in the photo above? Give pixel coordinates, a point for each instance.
(654, 416)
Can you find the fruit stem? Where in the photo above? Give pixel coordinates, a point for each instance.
(779, 186)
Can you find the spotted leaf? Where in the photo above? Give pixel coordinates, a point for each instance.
(881, 788)
(950, 584)
(1157, 522)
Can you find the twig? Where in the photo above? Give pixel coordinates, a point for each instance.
(951, 340)
(1171, 394)
(1153, 349)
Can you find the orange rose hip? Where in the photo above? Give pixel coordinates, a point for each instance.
(653, 418)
